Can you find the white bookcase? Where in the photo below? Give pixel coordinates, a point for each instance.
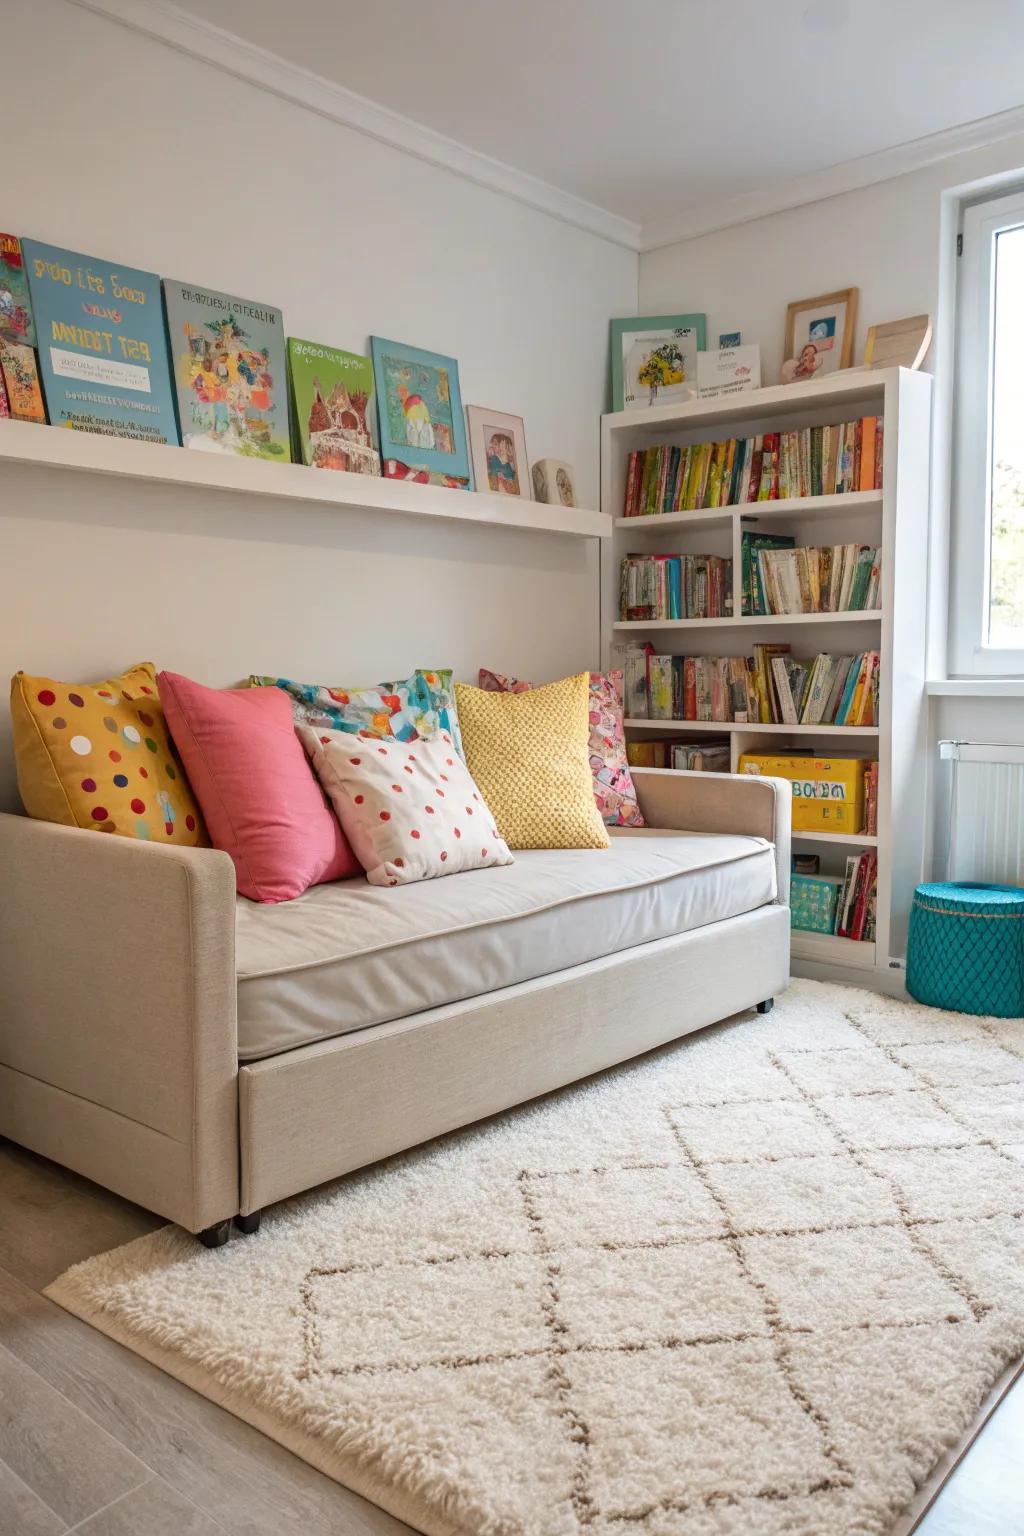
(896, 518)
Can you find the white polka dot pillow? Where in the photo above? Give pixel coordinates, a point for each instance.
(98, 755)
(410, 810)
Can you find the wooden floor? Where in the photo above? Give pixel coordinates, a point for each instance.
(95, 1440)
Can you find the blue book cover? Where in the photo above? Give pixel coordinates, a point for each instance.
(227, 355)
(102, 346)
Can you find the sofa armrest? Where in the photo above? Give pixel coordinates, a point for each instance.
(118, 1043)
(721, 802)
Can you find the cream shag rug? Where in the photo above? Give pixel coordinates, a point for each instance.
(757, 1282)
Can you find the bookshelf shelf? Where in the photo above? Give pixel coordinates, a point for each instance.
(797, 507)
(851, 839)
(27, 443)
(827, 949)
(756, 621)
(894, 517)
(750, 728)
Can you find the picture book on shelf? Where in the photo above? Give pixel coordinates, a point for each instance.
(20, 387)
(331, 397)
(227, 356)
(102, 347)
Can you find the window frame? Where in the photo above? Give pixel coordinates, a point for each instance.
(971, 483)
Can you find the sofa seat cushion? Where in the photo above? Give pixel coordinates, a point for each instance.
(345, 956)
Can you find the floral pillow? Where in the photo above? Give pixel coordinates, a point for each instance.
(614, 790)
(410, 810)
(420, 705)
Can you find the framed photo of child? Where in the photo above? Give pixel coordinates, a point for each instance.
(819, 336)
(497, 444)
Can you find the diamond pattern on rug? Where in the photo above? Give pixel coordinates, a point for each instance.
(753, 1285)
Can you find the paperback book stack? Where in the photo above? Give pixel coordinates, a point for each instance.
(780, 578)
(697, 756)
(675, 587)
(771, 687)
(814, 461)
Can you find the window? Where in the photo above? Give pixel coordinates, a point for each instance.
(987, 581)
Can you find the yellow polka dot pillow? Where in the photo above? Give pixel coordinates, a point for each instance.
(530, 756)
(98, 755)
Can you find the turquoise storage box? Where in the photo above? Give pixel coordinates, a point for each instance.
(813, 900)
(965, 950)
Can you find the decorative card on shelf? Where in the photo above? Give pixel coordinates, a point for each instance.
(498, 444)
(19, 367)
(728, 371)
(419, 410)
(102, 347)
(654, 359)
(331, 393)
(228, 359)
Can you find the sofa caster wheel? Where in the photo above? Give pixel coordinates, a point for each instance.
(216, 1236)
(766, 1006)
(249, 1224)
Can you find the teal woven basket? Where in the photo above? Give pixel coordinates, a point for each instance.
(965, 950)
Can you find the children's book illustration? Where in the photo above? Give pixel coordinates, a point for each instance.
(332, 394)
(229, 369)
(102, 348)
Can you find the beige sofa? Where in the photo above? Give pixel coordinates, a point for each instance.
(206, 1056)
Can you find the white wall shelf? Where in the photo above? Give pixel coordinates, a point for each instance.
(894, 517)
(94, 453)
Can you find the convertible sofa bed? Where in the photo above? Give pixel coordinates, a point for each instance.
(206, 1056)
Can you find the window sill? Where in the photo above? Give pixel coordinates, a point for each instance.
(975, 687)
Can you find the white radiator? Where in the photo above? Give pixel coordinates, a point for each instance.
(985, 835)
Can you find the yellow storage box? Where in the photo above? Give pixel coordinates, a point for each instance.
(828, 792)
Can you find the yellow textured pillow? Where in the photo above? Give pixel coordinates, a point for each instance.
(98, 755)
(529, 754)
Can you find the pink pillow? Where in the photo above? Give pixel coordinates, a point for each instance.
(409, 808)
(614, 790)
(261, 803)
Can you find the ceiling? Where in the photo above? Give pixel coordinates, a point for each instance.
(651, 108)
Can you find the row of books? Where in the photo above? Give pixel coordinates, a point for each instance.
(855, 909)
(779, 577)
(768, 687)
(100, 347)
(697, 756)
(675, 587)
(811, 461)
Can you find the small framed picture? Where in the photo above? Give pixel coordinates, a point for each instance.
(819, 336)
(497, 443)
(654, 359)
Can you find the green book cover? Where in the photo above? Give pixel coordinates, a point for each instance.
(331, 397)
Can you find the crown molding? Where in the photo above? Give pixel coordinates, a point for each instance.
(225, 51)
(848, 176)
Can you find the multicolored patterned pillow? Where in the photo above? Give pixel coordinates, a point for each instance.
(613, 784)
(418, 706)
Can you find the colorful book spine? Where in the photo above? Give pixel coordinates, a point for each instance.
(19, 364)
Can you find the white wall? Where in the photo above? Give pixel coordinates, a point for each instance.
(884, 240)
(131, 150)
